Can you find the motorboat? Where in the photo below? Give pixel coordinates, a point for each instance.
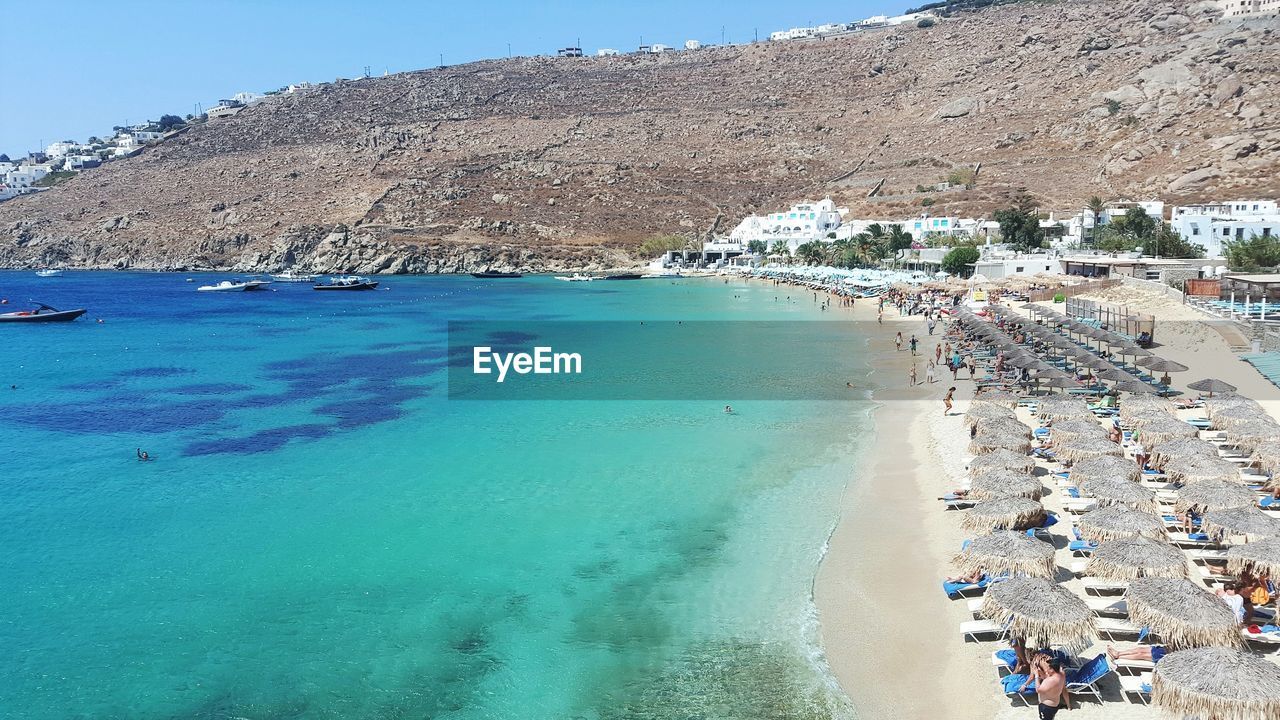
(576, 277)
(624, 276)
(492, 275)
(289, 276)
(42, 313)
(347, 282)
(48, 273)
(236, 285)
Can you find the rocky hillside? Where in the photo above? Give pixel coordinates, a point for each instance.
(569, 162)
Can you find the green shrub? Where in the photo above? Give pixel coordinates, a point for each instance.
(1059, 298)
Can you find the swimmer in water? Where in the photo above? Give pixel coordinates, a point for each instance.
(143, 456)
(728, 409)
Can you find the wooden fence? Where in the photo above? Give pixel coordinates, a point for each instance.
(1070, 290)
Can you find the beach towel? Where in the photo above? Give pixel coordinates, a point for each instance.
(1013, 684)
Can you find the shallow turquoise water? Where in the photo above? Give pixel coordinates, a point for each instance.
(324, 534)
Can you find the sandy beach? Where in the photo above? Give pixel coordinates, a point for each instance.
(891, 637)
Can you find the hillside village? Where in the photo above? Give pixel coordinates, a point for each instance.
(554, 162)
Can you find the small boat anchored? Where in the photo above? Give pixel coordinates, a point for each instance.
(347, 282)
(42, 313)
(576, 277)
(235, 285)
(492, 274)
(289, 276)
(49, 273)
(624, 276)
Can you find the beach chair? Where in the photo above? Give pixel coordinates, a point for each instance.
(1082, 547)
(957, 590)
(1110, 606)
(1112, 627)
(976, 630)
(1125, 666)
(1192, 540)
(1136, 688)
(1266, 635)
(1084, 680)
(951, 502)
(1098, 586)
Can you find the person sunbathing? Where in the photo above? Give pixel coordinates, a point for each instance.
(1150, 653)
(968, 578)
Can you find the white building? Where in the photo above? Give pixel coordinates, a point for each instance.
(25, 176)
(225, 108)
(142, 137)
(996, 264)
(1211, 225)
(298, 87)
(1232, 9)
(248, 98)
(60, 148)
(922, 226)
(692, 44)
(804, 222)
(606, 52)
(658, 48)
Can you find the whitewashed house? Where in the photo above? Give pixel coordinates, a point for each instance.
(606, 52)
(1210, 225)
(60, 148)
(24, 176)
(692, 45)
(804, 222)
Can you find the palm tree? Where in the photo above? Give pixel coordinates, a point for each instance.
(812, 252)
(780, 247)
(1095, 206)
(876, 231)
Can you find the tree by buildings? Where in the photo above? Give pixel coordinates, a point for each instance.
(1256, 252)
(1096, 207)
(780, 247)
(169, 122)
(813, 252)
(958, 260)
(661, 244)
(1136, 229)
(1020, 224)
(757, 247)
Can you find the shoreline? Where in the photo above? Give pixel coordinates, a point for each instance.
(881, 616)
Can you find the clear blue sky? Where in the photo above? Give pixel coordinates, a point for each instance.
(75, 68)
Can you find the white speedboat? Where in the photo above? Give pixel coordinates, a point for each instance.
(48, 273)
(289, 276)
(576, 277)
(234, 286)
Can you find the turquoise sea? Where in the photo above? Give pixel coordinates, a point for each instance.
(323, 533)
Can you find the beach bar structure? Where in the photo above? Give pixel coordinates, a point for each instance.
(1143, 268)
(1256, 287)
(1115, 318)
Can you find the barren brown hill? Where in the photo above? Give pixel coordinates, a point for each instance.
(561, 162)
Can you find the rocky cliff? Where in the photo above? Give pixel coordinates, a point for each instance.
(548, 163)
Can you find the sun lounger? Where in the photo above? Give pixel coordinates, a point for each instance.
(1133, 666)
(1136, 688)
(956, 590)
(1193, 540)
(976, 630)
(1082, 547)
(1079, 505)
(1268, 635)
(1111, 606)
(1206, 554)
(1116, 626)
(1084, 681)
(1098, 586)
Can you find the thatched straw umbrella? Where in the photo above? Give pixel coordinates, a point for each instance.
(1007, 553)
(1160, 430)
(1005, 483)
(1136, 557)
(979, 412)
(1211, 495)
(1109, 491)
(1222, 418)
(1249, 435)
(1110, 523)
(1181, 448)
(1062, 407)
(996, 397)
(1002, 459)
(985, 442)
(1266, 456)
(1245, 521)
(1146, 416)
(1261, 558)
(1136, 387)
(1189, 470)
(1107, 467)
(1144, 404)
(1041, 611)
(1217, 683)
(1062, 429)
(1077, 449)
(1211, 386)
(1010, 513)
(1002, 426)
(1182, 613)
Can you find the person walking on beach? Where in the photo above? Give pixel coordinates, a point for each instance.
(946, 400)
(955, 368)
(897, 342)
(928, 372)
(1050, 688)
(880, 315)
(973, 367)
(930, 324)
(912, 374)
(914, 342)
